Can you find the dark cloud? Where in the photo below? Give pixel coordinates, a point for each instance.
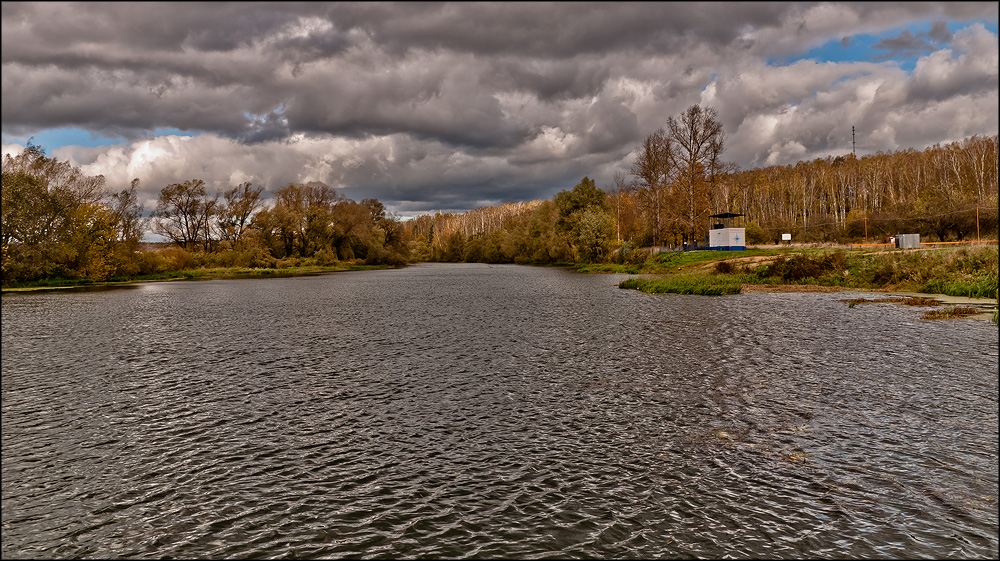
(905, 45)
(939, 33)
(271, 127)
(549, 80)
(455, 105)
(549, 29)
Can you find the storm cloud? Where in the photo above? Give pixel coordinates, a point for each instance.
(452, 106)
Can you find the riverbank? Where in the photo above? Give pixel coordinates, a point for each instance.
(965, 276)
(192, 274)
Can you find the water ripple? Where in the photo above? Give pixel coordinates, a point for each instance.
(474, 411)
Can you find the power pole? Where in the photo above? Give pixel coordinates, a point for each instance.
(853, 145)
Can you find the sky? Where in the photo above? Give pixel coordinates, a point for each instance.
(453, 106)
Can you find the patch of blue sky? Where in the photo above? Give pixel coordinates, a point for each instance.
(863, 47)
(711, 80)
(167, 131)
(51, 139)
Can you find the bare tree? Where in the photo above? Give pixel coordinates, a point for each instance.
(183, 213)
(699, 141)
(127, 213)
(240, 204)
(622, 188)
(652, 168)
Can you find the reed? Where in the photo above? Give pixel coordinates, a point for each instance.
(955, 312)
(908, 301)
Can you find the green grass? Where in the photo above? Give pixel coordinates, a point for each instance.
(683, 285)
(607, 268)
(670, 262)
(979, 287)
(963, 271)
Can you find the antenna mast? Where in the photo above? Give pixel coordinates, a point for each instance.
(853, 145)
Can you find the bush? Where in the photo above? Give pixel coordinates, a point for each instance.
(255, 258)
(755, 235)
(325, 257)
(724, 267)
(801, 266)
(288, 263)
(629, 254)
(796, 268)
(176, 258)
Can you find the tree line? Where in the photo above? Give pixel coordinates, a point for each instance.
(311, 221)
(678, 179)
(60, 223)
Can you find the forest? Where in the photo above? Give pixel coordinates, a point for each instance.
(58, 223)
(678, 180)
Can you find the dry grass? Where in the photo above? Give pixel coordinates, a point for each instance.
(908, 301)
(786, 288)
(749, 260)
(955, 312)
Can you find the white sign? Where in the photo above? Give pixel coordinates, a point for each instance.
(786, 237)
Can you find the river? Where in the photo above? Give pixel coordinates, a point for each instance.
(491, 411)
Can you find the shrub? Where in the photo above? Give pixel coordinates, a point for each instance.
(176, 258)
(724, 267)
(629, 254)
(755, 235)
(797, 268)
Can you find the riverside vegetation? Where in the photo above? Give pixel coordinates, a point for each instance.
(61, 227)
(959, 271)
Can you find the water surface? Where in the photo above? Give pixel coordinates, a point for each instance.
(478, 411)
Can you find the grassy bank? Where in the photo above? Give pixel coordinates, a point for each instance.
(684, 284)
(957, 271)
(192, 274)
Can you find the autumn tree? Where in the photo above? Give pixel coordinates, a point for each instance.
(535, 239)
(184, 212)
(302, 219)
(45, 208)
(60, 223)
(697, 141)
(236, 211)
(652, 170)
(584, 219)
(92, 242)
(35, 222)
(391, 238)
(621, 199)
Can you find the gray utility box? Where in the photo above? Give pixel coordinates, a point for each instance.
(907, 241)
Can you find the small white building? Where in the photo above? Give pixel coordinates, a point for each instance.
(907, 241)
(728, 232)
